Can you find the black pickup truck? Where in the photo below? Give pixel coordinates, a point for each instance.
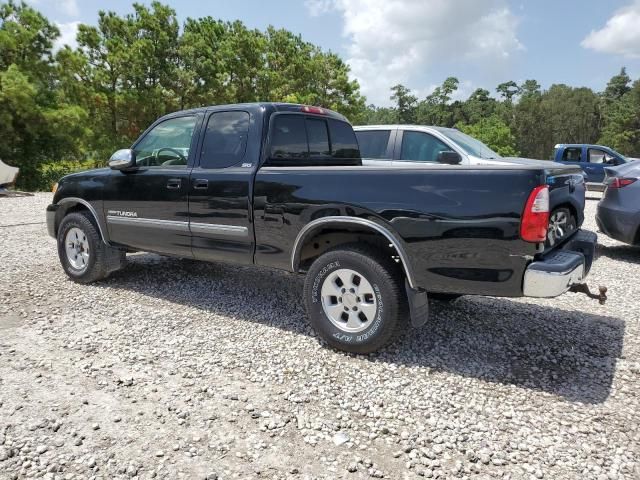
(283, 186)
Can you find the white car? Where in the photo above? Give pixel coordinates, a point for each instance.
(395, 145)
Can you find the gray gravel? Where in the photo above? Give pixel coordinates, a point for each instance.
(175, 369)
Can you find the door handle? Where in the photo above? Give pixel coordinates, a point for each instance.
(201, 183)
(173, 183)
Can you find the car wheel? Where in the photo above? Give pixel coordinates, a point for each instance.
(355, 298)
(561, 224)
(83, 255)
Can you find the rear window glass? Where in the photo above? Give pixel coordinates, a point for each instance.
(289, 137)
(301, 137)
(318, 137)
(373, 143)
(343, 140)
(225, 140)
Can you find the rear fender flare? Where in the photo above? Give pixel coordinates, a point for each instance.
(315, 225)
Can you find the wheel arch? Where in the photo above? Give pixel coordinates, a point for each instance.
(349, 225)
(73, 204)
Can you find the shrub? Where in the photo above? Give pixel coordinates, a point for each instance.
(50, 173)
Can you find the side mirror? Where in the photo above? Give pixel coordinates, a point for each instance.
(449, 157)
(122, 159)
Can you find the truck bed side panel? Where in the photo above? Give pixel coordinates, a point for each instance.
(459, 226)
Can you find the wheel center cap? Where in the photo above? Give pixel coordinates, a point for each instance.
(349, 300)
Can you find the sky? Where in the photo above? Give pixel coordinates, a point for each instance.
(419, 43)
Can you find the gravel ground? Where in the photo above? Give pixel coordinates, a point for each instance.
(175, 369)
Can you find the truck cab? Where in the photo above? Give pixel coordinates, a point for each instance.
(591, 158)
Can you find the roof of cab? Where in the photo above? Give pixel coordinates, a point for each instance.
(275, 106)
(580, 145)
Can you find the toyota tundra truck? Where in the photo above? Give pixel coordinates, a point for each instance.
(283, 186)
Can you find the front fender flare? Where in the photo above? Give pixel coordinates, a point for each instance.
(64, 204)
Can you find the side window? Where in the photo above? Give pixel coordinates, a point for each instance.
(596, 156)
(167, 144)
(225, 140)
(572, 155)
(295, 138)
(343, 140)
(421, 147)
(373, 143)
(289, 138)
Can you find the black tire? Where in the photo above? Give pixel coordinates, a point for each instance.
(555, 228)
(102, 260)
(391, 316)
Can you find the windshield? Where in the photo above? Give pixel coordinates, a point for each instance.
(469, 144)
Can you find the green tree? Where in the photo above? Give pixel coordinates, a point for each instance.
(617, 86)
(622, 127)
(37, 123)
(494, 133)
(508, 90)
(405, 104)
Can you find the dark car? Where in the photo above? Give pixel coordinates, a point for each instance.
(283, 186)
(619, 210)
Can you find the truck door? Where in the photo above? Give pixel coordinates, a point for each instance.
(220, 188)
(597, 159)
(147, 208)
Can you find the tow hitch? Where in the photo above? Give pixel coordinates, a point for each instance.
(584, 288)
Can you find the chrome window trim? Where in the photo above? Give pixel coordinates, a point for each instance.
(353, 221)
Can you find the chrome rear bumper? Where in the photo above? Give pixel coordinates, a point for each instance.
(557, 271)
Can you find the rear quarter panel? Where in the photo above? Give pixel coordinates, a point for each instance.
(458, 225)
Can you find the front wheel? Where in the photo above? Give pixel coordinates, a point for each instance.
(83, 255)
(355, 298)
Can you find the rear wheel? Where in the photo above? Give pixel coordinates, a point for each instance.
(561, 224)
(355, 299)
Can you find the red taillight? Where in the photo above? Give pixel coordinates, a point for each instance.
(316, 110)
(617, 182)
(535, 218)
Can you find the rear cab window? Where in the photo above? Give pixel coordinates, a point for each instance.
(299, 140)
(373, 143)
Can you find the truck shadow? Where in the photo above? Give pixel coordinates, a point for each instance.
(567, 353)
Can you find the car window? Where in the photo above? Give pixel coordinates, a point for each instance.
(225, 140)
(343, 140)
(373, 143)
(421, 147)
(572, 155)
(318, 137)
(167, 144)
(289, 137)
(596, 156)
(297, 137)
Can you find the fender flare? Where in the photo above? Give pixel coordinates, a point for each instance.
(311, 227)
(79, 201)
